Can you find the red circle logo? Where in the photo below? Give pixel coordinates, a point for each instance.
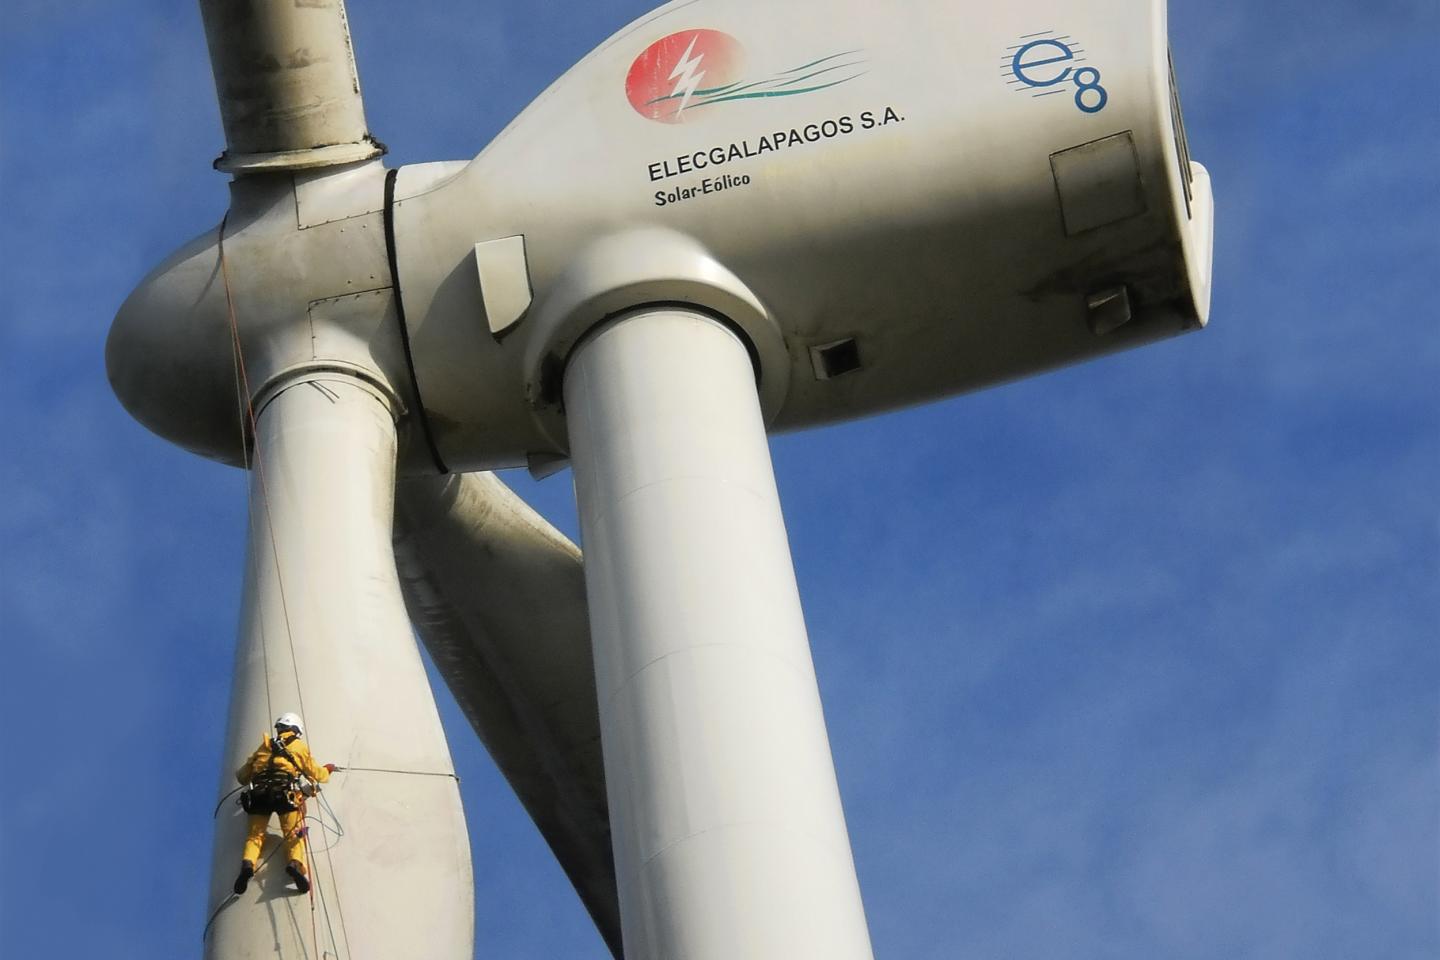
(681, 72)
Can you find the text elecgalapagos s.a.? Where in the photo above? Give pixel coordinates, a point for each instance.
(778, 140)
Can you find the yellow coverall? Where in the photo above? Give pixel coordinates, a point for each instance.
(290, 823)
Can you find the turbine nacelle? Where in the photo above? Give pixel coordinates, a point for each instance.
(925, 201)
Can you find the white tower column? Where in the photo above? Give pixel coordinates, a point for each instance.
(729, 837)
(324, 633)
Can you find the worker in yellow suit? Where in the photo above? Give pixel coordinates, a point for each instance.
(272, 775)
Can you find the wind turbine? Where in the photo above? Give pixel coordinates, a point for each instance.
(731, 218)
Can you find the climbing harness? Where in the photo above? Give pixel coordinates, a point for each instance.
(274, 789)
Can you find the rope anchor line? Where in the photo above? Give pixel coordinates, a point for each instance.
(403, 773)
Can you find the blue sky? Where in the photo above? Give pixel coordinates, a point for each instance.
(1140, 659)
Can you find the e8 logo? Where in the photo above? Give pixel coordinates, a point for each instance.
(1042, 67)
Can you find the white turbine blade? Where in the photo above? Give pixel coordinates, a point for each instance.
(498, 595)
(324, 633)
(287, 84)
(730, 839)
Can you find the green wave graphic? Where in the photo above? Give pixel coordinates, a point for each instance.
(774, 93)
(816, 73)
(735, 91)
(816, 63)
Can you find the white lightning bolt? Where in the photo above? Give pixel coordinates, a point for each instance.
(685, 76)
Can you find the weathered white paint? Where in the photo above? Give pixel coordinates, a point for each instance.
(286, 80)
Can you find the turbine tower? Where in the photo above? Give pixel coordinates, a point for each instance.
(732, 218)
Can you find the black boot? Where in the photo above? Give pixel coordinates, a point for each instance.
(247, 870)
(297, 873)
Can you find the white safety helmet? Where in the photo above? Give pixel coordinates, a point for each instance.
(290, 720)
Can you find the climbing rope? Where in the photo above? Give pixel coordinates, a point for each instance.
(403, 773)
(224, 798)
(316, 892)
(250, 435)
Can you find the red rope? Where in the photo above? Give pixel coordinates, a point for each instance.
(314, 875)
(259, 462)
